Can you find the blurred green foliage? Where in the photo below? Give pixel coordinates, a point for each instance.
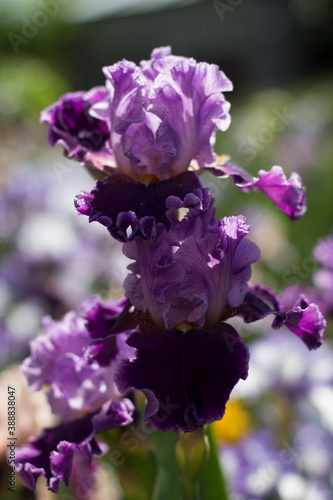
(26, 87)
(300, 141)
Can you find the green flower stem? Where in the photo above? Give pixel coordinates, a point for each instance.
(133, 460)
(190, 490)
(167, 485)
(212, 482)
(191, 454)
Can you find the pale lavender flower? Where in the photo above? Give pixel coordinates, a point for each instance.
(57, 360)
(80, 392)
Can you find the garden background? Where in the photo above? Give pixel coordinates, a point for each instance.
(278, 54)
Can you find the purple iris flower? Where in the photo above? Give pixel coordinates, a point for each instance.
(189, 274)
(51, 454)
(191, 281)
(151, 120)
(185, 284)
(154, 122)
(187, 359)
(81, 393)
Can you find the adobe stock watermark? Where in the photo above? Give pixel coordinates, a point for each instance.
(268, 473)
(84, 486)
(30, 26)
(134, 435)
(63, 168)
(277, 123)
(217, 186)
(264, 478)
(298, 273)
(223, 8)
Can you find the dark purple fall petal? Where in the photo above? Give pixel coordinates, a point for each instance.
(101, 317)
(129, 208)
(72, 126)
(152, 119)
(302, 318)
(187, 376)
(51, 454)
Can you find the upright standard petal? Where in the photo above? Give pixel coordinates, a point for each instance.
(192, 94)
(125, 85)
(191, 280)
(161, 59)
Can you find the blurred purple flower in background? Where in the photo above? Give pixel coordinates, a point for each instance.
(289, 453)
(82, 394)
(323, 278)
(42, 258)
